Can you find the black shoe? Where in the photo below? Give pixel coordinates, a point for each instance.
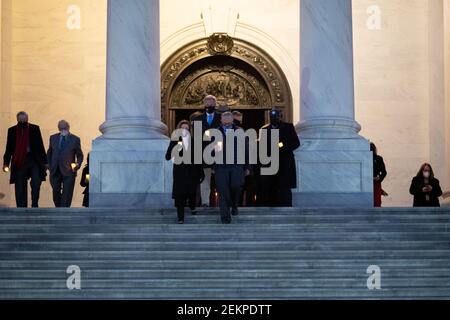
(234, 212)
(193, 212)
(180, 221)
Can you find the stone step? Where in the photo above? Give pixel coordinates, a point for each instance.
(226, 235)
(242, 263)
(264, 246)
(226, 294)
(274, 284)
(208, 273)
(375, 254)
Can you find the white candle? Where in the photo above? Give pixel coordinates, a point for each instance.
(74, 165)
(88, 177)
(281, 145)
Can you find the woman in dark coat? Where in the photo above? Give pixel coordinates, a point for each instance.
(186, 176)
(379, 174)
(425, 188)
(85, 184)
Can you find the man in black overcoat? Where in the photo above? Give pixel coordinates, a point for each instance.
(276, 190)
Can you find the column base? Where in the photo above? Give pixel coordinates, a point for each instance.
(130, 174)
(334, 173)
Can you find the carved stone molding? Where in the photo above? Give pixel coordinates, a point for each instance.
(270, 77)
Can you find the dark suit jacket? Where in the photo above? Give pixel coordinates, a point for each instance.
(186, 177)
(64, 158)
(287, 173)
(37, 150)
(203, 119)
(417, 185)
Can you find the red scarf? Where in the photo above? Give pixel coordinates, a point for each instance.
(22, 140)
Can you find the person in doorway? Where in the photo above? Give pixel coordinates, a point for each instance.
(238, 118)
(85, 179)
(276, 190)
(210, 119)
(65, 158)
(425, 188)
(379, 174)
(25, 153)
(230, 177)
(186, 176)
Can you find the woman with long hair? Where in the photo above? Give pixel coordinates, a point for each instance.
(425, 188)
(186, 176)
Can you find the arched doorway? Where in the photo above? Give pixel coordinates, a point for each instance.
(241, 75)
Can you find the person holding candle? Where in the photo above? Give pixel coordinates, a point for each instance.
(186, 175)
(425, 188)
(85, 179)
(276, 190)
(230, 177)
(65, 158)
(25, 159)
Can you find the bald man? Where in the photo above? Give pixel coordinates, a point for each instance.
(65, 158)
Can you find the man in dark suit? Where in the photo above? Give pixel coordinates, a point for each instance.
(210, 119)
(230, 177)
(25, 153)
(65, 158)
(276, 190)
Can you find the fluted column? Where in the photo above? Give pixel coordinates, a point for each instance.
(327, 90)
(133, 104)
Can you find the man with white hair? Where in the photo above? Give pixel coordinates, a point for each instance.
(25, 159)
(65, 158)
(210, 119)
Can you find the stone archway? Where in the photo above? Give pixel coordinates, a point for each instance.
(240, 74)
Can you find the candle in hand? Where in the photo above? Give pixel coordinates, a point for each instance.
(88, 178)
(74, 166)
(281, 145)
(6, 169)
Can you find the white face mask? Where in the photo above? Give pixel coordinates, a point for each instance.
(184, 132)
(426, 174)
(64, 133)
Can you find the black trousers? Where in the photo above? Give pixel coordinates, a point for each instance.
(271, 195)
(63, 187)
(181, 201)
(30, 169)
(229, 182)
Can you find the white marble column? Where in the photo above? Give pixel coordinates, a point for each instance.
(127, 164)
(133, 103)
(334, 161)
(326, 57)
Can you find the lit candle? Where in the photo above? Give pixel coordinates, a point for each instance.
(6, 169)
(208, 133)
(74, 165)
(281, 145)
(88, 177)
(219, 146)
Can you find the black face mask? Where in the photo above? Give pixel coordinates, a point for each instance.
(275, 121)
(210, 110)
(23, 124)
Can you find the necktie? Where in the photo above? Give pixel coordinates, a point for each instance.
(209, 119)
(63, 143)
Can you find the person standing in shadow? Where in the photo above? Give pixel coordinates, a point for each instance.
(25, 153)
(85, 183)
(65, 158)
(379, 174)
(425, 188)
(186, 176)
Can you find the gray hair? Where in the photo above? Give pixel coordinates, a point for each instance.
(21, 113)
(64, 124)
(227, 114)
